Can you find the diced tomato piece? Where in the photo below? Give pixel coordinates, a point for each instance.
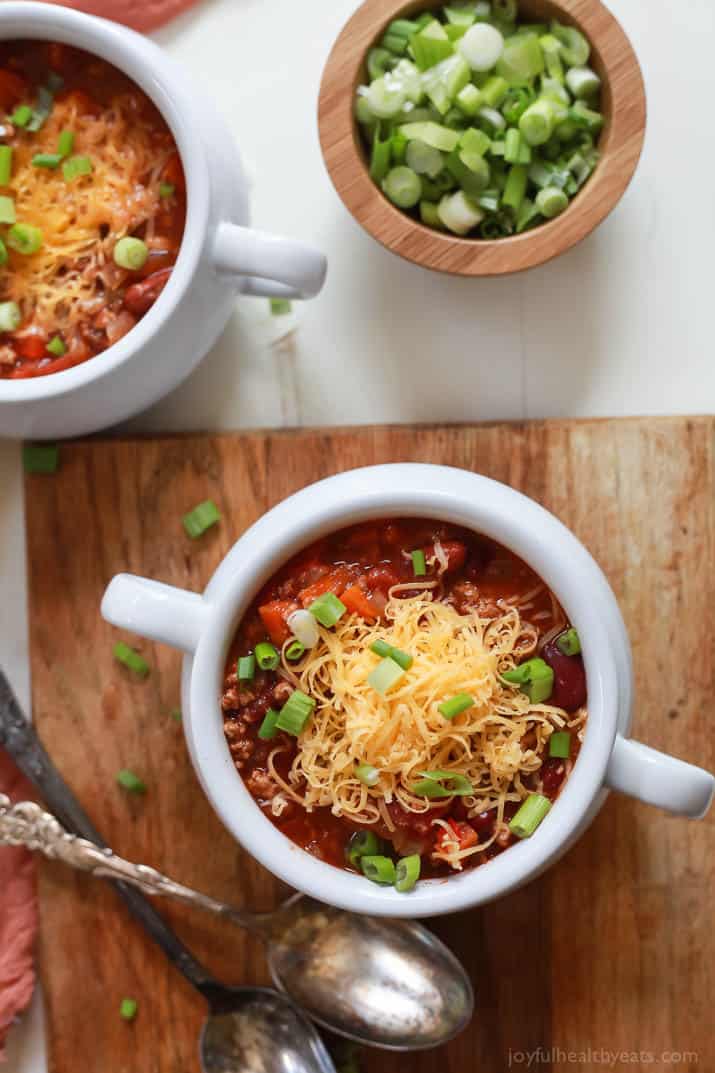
(464, 834)
(357, 602)
(381, 578)
(274, 617)
(455, 552)
(31, 346)
(334, 581)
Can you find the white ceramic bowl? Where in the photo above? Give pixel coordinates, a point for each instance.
(203, 626)
(220, 256)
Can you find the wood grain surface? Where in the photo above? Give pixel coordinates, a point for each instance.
(623, 103)
(612, 950)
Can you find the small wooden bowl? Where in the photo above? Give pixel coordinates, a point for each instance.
(622, 101)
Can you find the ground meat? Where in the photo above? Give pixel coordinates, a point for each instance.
(466, 598)
(261, 785)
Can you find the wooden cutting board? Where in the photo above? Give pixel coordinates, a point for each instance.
(613, 950)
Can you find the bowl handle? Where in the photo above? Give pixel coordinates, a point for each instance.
(275, 267)
(151, 609)
(659, 779)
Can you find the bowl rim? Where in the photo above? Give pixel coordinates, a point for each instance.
(621, 146)
(407, 489)
(145, 64)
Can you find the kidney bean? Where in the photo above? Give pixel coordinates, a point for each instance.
(569, 678)
(140, 297)
(455, 552)
(553, 773)
(483, 823)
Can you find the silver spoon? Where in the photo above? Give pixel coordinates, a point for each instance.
(384, 983)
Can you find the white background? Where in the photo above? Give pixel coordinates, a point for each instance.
(620, 325)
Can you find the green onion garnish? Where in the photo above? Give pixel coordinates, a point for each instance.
(246, 668)
(65, 143)
(386, 675)
(569, 643)
(295, 651)
(535, 678)
(419, 565)
(7, 210)
(130, 658)
(280, 307)
(201, 518)
(131, 782)
(434, 784)
(267, 657)
(529, 816)
(378, 870)
(327, 609)
(382, 648)
(21, 116)
(24, 238)
(5, 164)
(47, 160)
(269, 726)
(3, 253)
(57, 347)
(76, 166)
(367, 774)
(295, 713)
(128, 1009)
(407, 873)
(40, 457)
(451, 708)
(131, 253)
(560, 744)
(42, 109)
(10, 316)
(361, 844)
(166, 189)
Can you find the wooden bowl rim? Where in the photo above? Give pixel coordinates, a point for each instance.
(621, 145)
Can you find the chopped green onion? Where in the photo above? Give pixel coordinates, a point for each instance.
(583, 82)
(551, 202)
(131, 253)
(327, 609)
(5, 164)
(386, 675)
(131, 782)
(398, 148)
(269, 727)
(527, 214)
(65, 143)
(3, 253)
(407, 873)
(280, 307)
(166, 189)
(361, 844)
(295, 713)
(494, 91)
(586, 117)
(75, 167)
(246, 668)
(436, 784)
(419, 564)
(481, 46)
(382, 648)
(295, 651)
(522, 59)
(10, 316)
(379, 62)
(469, 100)
(386, 97)
(201, 518)
(569, 643)
(430, 46)
(560, 744)
(24, 238)
(367, 774)
(267, 657)
(47, 160)
(535, 678)
(423, 159)
(40, 457)
(130, 658)
(515, 189)
(128, 1009)
(21, 116)
(575, 49)
(381, 156)
(403, 187)
(429, 214)
(7, 209)
(529, 816)
(537, 122)
(459, 214)
(42, 110)
(57, 347)
(454, 707)
(434, 134)
(378, 870)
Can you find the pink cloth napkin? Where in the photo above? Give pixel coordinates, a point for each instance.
(143, 15)
(18, 913)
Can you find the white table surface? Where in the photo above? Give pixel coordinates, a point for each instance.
(620, 325)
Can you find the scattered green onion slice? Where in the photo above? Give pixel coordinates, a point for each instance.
(419, 564)
(65, 143)
(166, 189)
(327, 609)
(3, 253)
(75, 167)
(201, 518)
(130, 658)
(131, 782)
(451, 708)
(21, 116)
(382, 648)
(10, 316)
(246, 668)
(560, 744)
(403, 187)
(367, 774)
(5, 164)
(361, 844)
(295, 651)
(535, 678)
(267, 657)
(378, 870)
(24, 238)
(295, 713)
(386, 675)
(407, 873)
(40, 457)
(434, 784)
(131, 253)
(269, 726)
(280, 307)
(7, 210)
(569, 643)
(128, 1009)
(57, 347)
(47, 160)
(529, 816)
